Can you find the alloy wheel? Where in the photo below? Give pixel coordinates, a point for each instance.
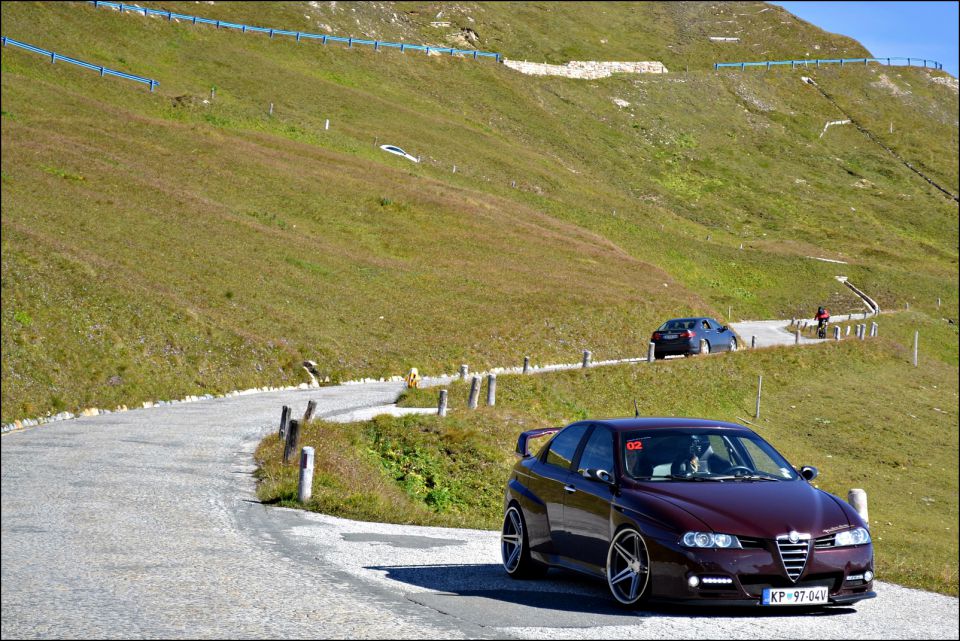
(511, 540)
(628, 567)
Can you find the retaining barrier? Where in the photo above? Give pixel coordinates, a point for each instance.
(54, 57)
(299, 35)
(828, 61)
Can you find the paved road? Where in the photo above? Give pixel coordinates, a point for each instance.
(770, 333)
(145, 524)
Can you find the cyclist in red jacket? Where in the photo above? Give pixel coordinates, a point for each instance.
(822, 318)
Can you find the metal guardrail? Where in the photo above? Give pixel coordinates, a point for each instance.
(824, 61)
(54, 57)
(299, 35)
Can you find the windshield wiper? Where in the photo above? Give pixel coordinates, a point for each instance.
(749, 477)
(678, 477)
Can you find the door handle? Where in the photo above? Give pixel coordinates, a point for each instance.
(569, 488)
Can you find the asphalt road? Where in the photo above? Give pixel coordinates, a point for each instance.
(144, 524)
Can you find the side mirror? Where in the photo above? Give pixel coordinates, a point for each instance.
(809, 473)
(599, 475)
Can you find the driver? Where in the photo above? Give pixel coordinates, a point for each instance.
(695, 459)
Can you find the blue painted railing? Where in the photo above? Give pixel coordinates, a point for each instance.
(54, 57)
(832, 61)
(299, 35)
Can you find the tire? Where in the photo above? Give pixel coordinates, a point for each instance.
(628, 567)
(733, 344)
(704, 347)
(515, 549)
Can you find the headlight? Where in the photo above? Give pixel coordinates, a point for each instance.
(709, 540)
(856, 536)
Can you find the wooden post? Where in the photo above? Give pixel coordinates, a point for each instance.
(305, 489)
(526, 364)
(651, 349)
(284, 420)
(938, 302)
(759, 387)
(308, 414)
(474, 392)
(293, 435)
(836, 333)
(491, 389)
(729, 313)
(442, 405)
(848, 330)
(586, 358)
(916, 347)
(857, 499)
(796, 337)
(463, 372)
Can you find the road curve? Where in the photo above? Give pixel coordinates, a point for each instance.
(144, 524)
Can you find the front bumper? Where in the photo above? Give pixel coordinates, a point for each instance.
(750, 571)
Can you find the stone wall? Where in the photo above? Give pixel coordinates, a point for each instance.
(587, 69)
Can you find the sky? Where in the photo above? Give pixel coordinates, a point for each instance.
(890, 29)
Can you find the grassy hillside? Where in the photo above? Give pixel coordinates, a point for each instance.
(859, 411)
(156, 245)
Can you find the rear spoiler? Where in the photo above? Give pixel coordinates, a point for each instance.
(522, 451)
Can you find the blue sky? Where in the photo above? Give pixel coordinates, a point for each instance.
(895, 29)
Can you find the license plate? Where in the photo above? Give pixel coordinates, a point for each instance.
(795, 596)
(669, 337)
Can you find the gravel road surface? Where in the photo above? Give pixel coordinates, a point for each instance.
(144, 524)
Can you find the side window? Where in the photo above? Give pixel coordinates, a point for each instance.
(564, 445)
(598, 452)
(706, 325)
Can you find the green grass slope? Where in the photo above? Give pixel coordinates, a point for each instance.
(163, 244)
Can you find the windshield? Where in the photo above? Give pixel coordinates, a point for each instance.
(694, 454)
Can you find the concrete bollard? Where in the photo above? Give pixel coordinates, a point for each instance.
(326, 125)
(796, 337)
(651, 352)
(836, 333)
(848, 330)
(271, 108)
(491, 389)
(306, 475)
(586, 358)
(474, 392)
(442, 405)
(857, 499)
(874, 330)
(526, 364)
(463, 372)
(753, 342)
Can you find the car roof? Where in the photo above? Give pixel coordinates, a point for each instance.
(689, 318)
(668, 422)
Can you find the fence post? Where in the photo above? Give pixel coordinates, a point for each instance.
(293, 435)
(474, 392)
(857, 499)
(848, 330)
(442, 404)
(759, 388)
(874, 328)
(938, 302)
(284, 420)
(796, 337)
(526, 364)
(916, 347)
(651, 356)
(326, 125)
(836, 333)
(271, 109)
(586, 358)
(491, 389)
(306, 475)
(753, 342)
(308, 414)
(463, 371)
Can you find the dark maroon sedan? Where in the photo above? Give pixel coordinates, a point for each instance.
(675, 509)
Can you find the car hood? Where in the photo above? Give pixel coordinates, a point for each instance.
(760, 509)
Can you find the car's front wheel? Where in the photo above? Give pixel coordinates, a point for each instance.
(628, 567)
(733, 344)
(514, 547)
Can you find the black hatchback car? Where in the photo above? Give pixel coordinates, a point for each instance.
(682, 510)
(687, 336)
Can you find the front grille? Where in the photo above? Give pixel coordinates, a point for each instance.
(794, 555)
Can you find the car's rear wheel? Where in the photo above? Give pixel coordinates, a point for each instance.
(628, 567)
(704, 347)
(514, 547)
(733, 344)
